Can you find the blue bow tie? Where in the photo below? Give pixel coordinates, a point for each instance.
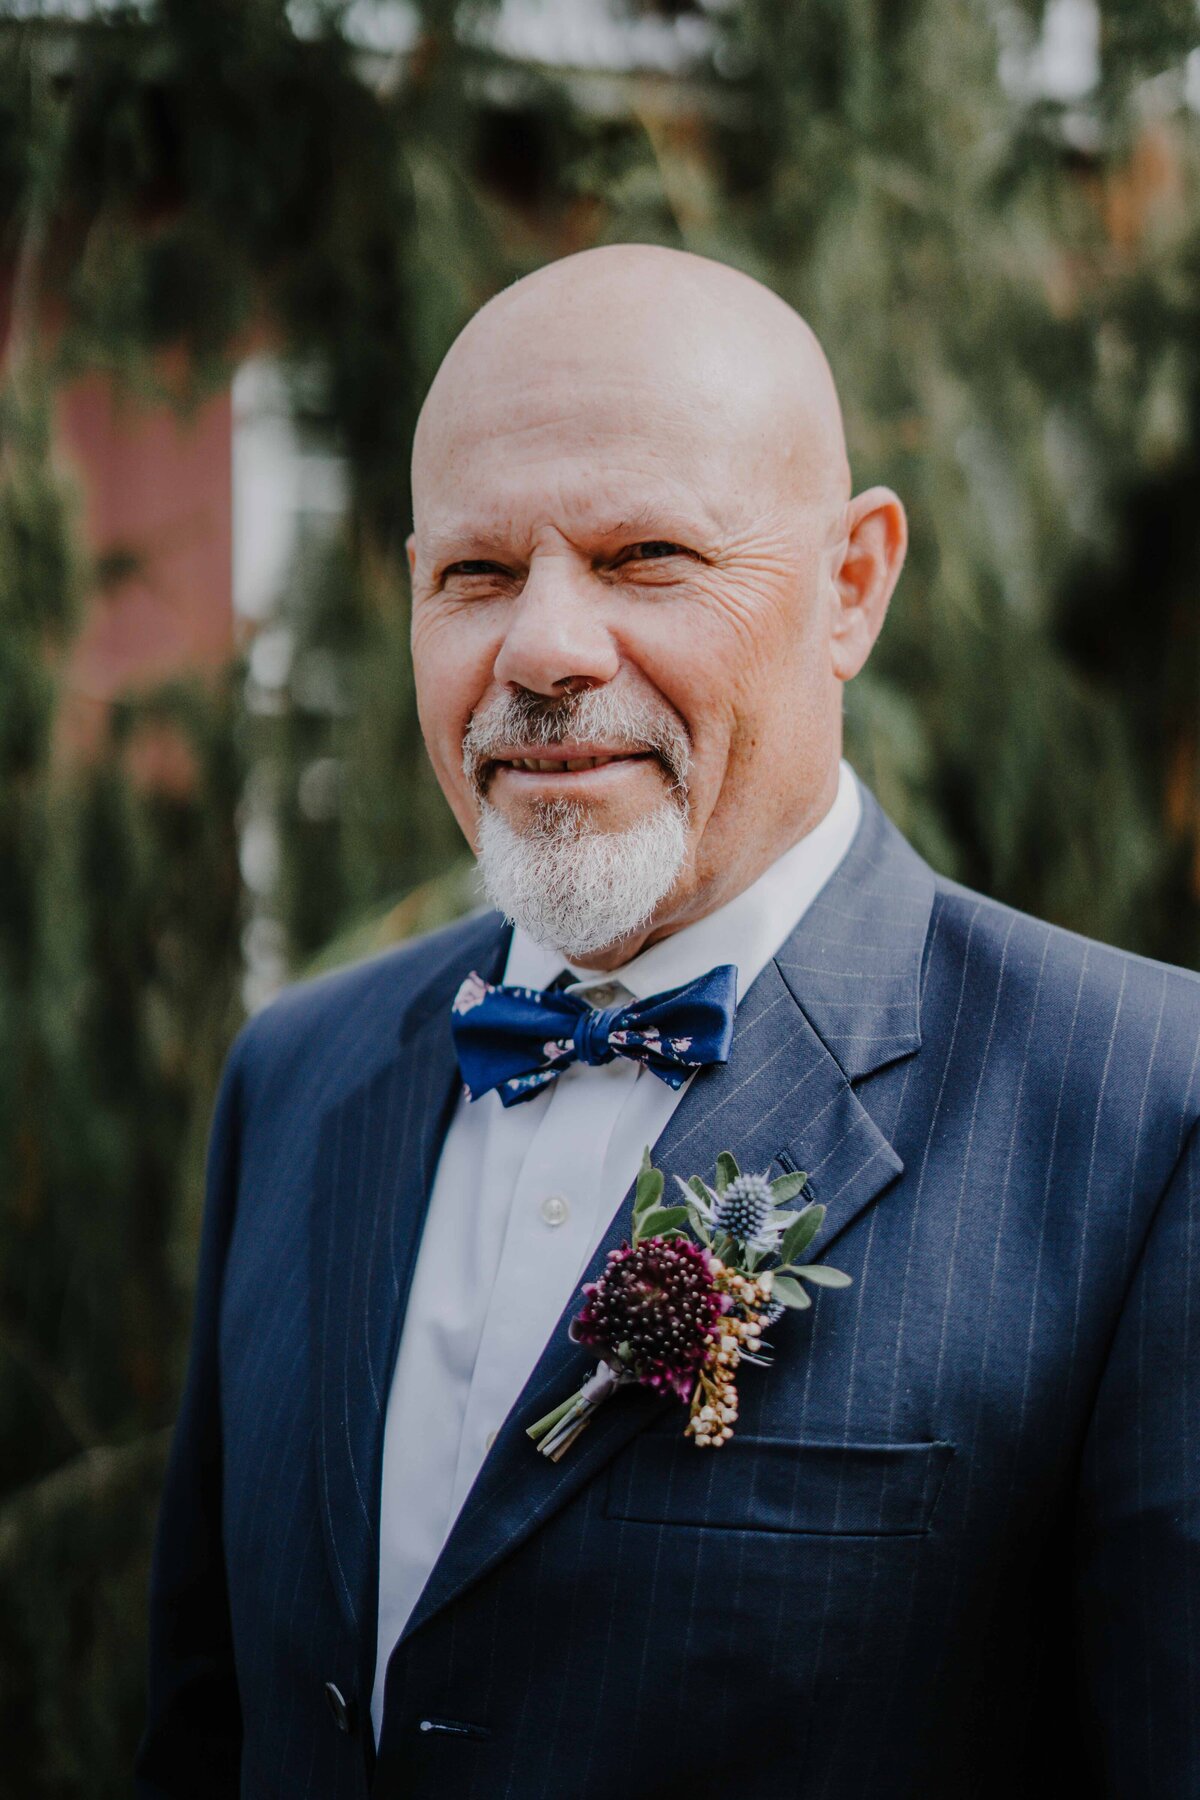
(518, 1040)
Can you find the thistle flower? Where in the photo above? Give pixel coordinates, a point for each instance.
(744, 1207)
(655, 1309)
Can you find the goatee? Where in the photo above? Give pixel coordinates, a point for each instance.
(572, 887)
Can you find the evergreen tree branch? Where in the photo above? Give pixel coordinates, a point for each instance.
(96, 1479)
(71, 1410)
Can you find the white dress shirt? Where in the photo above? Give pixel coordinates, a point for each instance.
(522, 1197)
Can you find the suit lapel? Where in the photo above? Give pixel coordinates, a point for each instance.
(376, 1157)
(784, 1097)
(854, 962)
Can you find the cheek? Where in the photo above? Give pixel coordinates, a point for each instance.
(744, 669)
(717, 653)
(679, 671)
(452, 660)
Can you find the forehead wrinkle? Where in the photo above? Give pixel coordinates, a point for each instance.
(621, 412)
(592, 474)
(575, 512)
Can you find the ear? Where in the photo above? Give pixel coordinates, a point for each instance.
(410, 544)
(867, 565)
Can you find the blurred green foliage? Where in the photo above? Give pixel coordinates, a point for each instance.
(1006, 283)
(119, 913)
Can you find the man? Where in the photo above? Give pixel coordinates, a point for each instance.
(953, 1545)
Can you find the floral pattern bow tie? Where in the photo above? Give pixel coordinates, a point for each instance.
(518, 1040)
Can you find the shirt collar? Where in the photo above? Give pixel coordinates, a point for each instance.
(746, 931)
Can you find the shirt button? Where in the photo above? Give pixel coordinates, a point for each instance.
(601, 996)
(489, 1440)
(554, 1209)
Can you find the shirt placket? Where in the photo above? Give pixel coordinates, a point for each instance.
(549, 1234)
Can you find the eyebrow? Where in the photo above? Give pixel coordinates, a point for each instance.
(663, 520)
(467, 539)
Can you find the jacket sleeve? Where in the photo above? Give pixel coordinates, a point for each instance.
(1139, 1564)
(191, 1745)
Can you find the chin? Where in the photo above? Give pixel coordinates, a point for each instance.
(580, 817)
(576, 881)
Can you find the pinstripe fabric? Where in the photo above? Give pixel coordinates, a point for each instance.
(954, 1548)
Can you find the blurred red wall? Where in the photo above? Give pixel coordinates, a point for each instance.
(157, 517)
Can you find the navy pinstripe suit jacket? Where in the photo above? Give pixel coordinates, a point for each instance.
(954, 1547)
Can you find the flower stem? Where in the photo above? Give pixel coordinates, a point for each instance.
(565, 1442)
(550, 1419)
(567, 1430)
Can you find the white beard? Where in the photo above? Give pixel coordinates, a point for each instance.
(578, 891)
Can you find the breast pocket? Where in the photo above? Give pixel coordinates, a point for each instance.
(779, 1484)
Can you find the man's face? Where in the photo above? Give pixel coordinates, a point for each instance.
(615, 523)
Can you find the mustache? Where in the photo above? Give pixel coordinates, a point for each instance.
(621, 721)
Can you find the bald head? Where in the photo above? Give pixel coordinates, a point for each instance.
(644, 334)
(634, 538)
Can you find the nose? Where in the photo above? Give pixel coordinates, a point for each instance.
(557, 639)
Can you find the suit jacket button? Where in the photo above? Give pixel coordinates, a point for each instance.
(341, 1708)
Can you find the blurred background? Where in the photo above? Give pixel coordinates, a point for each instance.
(236, 237)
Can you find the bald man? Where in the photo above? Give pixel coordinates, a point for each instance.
(946, 1539)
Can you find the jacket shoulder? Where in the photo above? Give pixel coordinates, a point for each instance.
(1096, 990)
(332, 1030)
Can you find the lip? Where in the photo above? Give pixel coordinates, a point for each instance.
(602, 775)
(554, 762)
(560, 776)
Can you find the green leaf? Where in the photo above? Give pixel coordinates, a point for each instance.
(661, 1219)
(727, 1170)
(786, 1187)
(698, 1226)
(789, 1292)
(694, 1190)
(801, 1233)
(821, 1275)
(649, 1192)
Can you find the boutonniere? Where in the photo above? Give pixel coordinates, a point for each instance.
(688, 1301)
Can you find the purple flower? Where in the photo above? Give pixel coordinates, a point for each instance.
(659, 1302)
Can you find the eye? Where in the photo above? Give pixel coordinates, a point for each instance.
(653, 550)
(473, 568)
